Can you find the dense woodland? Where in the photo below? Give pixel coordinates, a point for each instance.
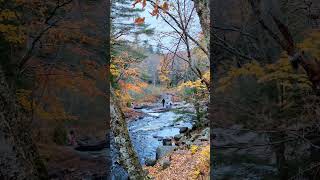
(265, 60)
(53, 80)
(261, 97)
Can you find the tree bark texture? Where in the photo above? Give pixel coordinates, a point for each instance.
(128, 157)
(19, 157)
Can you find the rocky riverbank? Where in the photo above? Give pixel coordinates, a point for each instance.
(158, 132)
(189, 157)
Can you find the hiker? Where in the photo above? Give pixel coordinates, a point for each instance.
(163, 101)
(72, 138)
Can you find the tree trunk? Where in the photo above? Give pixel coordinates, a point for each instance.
(128, 157)
(19, 157)
(202, 8)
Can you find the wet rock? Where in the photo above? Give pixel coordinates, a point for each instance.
(177, 137)
(183, 140)
(155, 136)
(188, 142)
(206, 132)
(205, 135)
(167, 142)
(183, 129)
(203, 138)
(194, 137)
(139, 107)
(194, 128)
(163, 151)
(165, 163)
(150, 162)
(197, 142)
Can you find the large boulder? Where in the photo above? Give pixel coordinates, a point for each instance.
(167, 142)
(177, 137)
(205, 135)
(163, 151)
(150, 162)
(206, 132)
(183, 129)
(194, 137)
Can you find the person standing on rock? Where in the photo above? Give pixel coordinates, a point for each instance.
(163, 101)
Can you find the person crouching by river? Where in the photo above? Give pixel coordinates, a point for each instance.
(72, 138)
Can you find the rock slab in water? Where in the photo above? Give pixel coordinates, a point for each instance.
(183, 129)
(92, 147)
(150, 162)
(177, 137)
(167, 142)
(163, 151)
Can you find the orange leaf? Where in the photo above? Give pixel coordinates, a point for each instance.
(139, 20)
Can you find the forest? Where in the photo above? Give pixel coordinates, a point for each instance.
(53, 85)
(159, 89)
(159, 92)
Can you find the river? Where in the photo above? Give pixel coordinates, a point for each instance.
(147, 133)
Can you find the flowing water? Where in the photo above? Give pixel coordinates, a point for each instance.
(147, 133)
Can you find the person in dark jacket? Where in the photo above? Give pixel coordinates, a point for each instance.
(163, 101)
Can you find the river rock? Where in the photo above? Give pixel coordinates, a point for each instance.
(205, 135)
(167, 142)
(150, 162)
(194, 137)
(177, 137)
(163, 151)
(188, 142)
(156, 136)
(165, 163)
(183, 129)
(206, 132)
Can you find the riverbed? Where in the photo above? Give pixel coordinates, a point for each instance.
(147, 133)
